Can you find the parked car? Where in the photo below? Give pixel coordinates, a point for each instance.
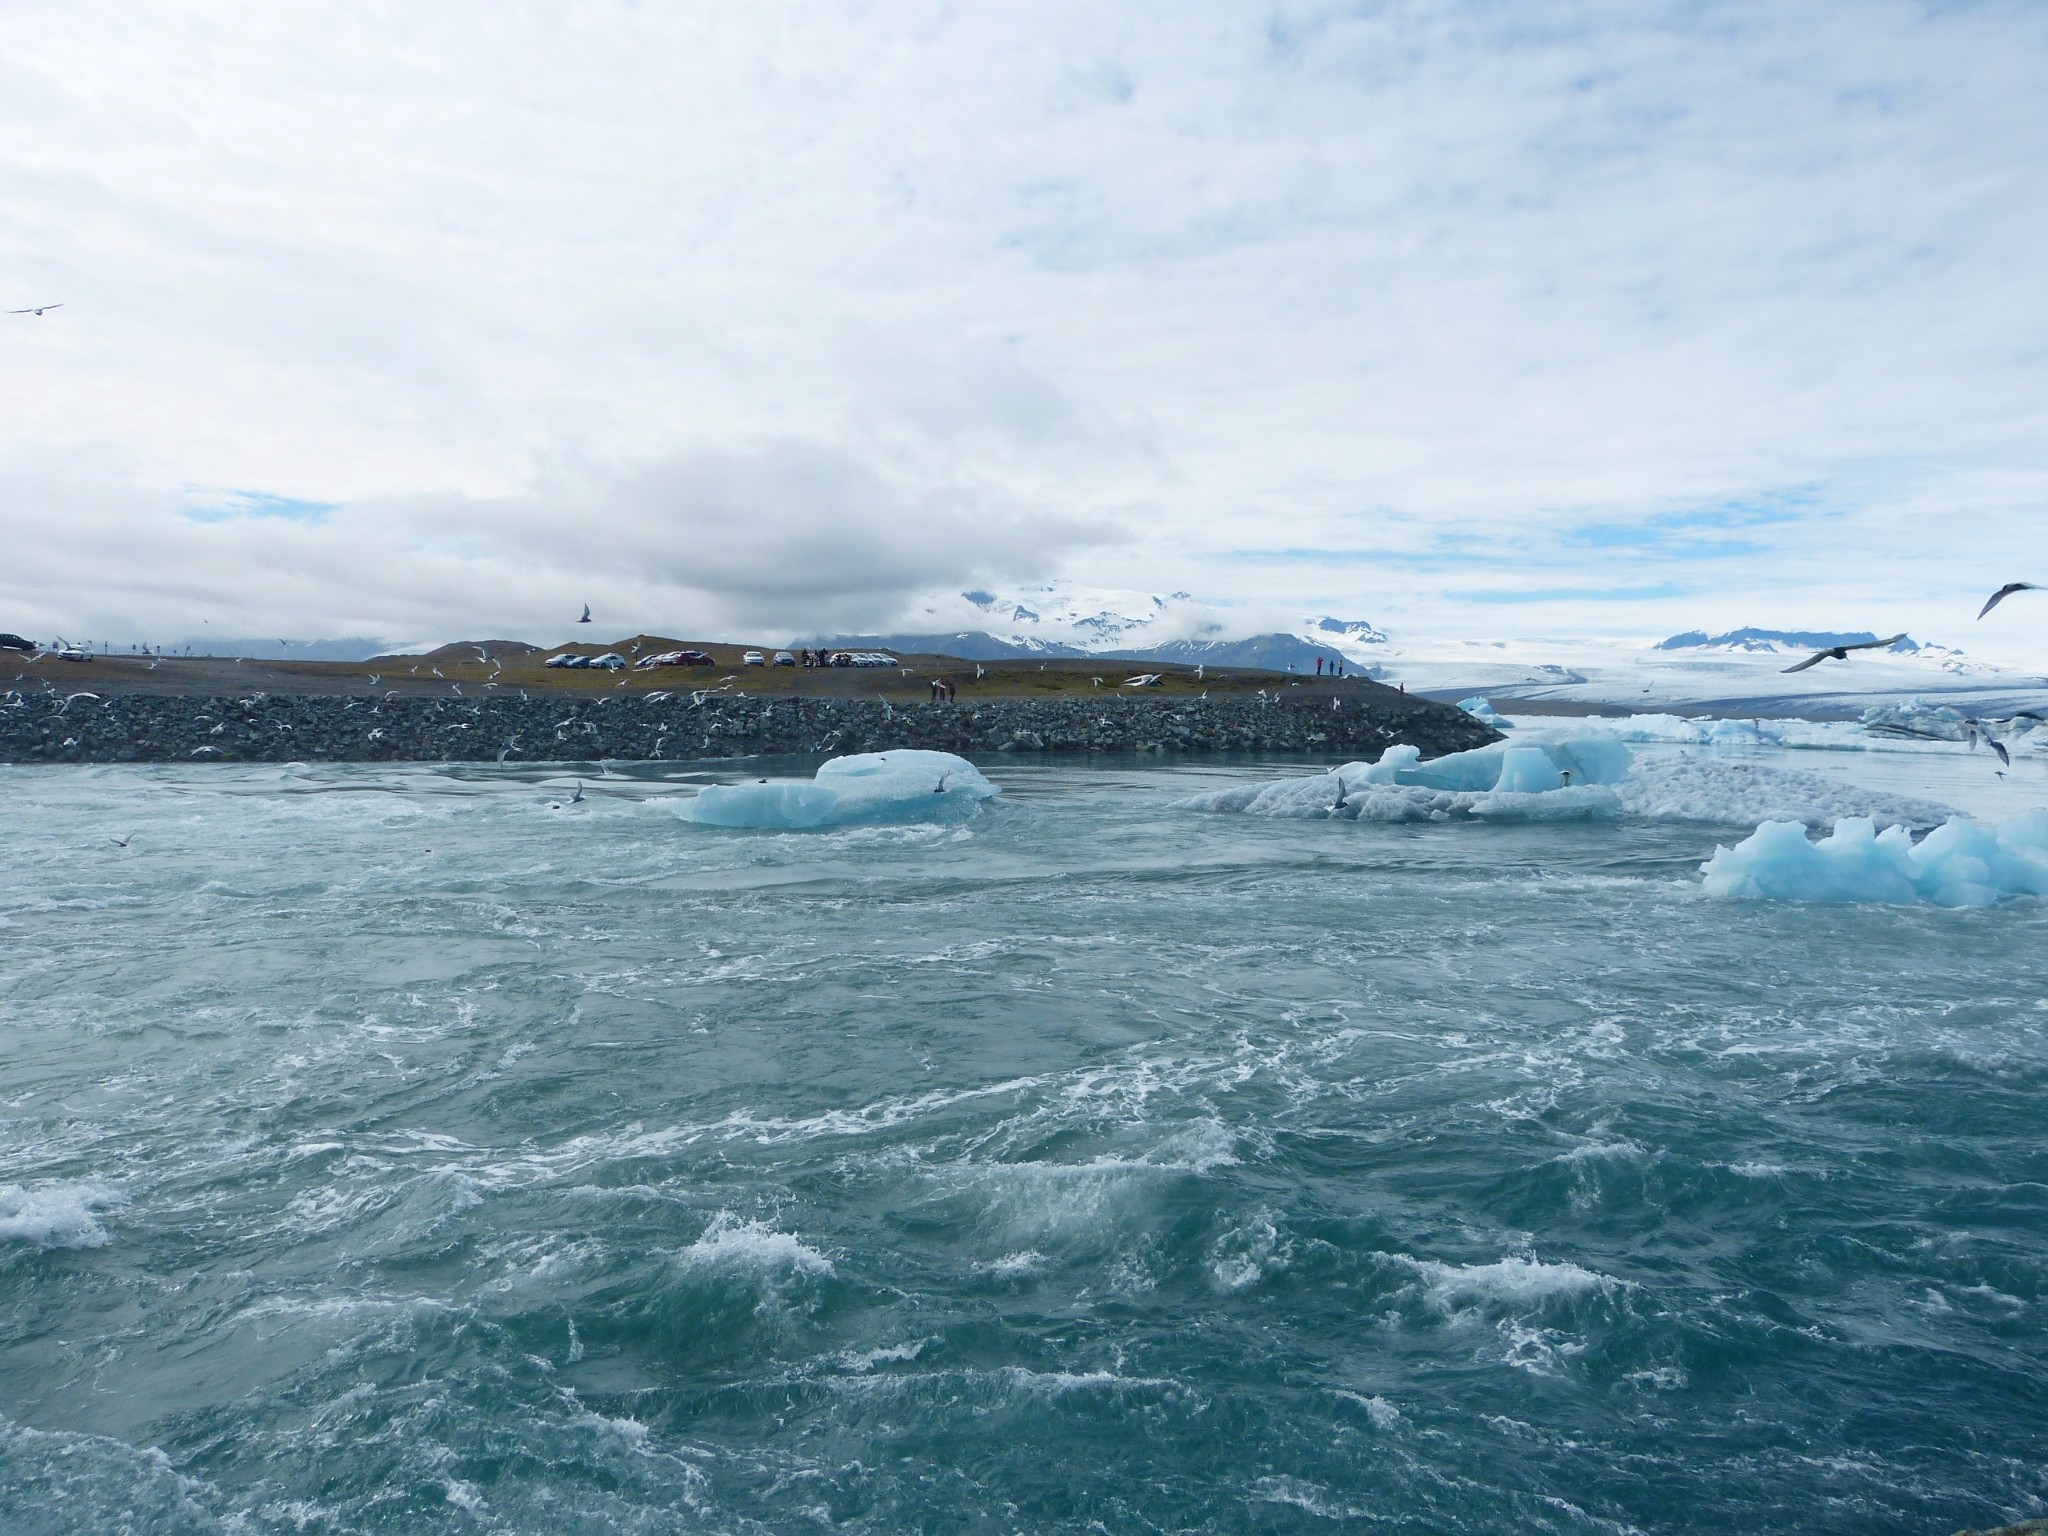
(864, 659)
(72, 653)
(684, 658)
(784, 659)
(611, 661)
(753, 659)
(567, 659)
(16, 643)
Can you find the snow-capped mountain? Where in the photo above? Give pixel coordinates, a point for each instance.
(1063, 619)
(1739, 670)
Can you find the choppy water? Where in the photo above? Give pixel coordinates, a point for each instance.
(384, 1151)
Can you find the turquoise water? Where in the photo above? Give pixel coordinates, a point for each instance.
(383, 1150)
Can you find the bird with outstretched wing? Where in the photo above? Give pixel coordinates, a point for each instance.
(2006, 591)
(1841, 652)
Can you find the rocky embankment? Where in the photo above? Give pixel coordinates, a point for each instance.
(132, 728)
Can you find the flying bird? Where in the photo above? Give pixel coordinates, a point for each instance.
(2006, 591)
(36, 311)
(1841, 652)
(577, 798)
(586, 615)
(121, 842)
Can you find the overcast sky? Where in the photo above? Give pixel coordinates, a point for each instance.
(430, 320)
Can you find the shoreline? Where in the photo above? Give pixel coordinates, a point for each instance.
(680, 727)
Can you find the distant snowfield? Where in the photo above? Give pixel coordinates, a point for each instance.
(1725, 682)
(1744, 676)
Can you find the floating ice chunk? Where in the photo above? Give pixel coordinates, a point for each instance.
(1959, 864)
(861, 790)
(1530, 781)
(1585, 760)
(1917, 717)
(1579, 778)
(1482, 711)
(1740, 793)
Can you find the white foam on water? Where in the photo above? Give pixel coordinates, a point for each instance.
(868, 1359)
(1026, 1261)
(1384, 1415)
(1247, 1254)
(1307, 1497)
(56, 1215)
(1514, 1280)
(732, 1245)
(1959, 864)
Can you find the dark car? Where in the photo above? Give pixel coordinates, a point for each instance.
(16, 643)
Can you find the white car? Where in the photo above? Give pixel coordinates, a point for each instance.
(566, 659)
(753, 659)
(611, 661)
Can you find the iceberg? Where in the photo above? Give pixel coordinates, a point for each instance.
(1567, 779)
(1482, 710)
(1959, 864)
(865, 789)
(1553, 780)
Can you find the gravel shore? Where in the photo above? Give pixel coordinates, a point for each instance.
(130, 728)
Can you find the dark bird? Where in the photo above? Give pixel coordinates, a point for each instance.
(1841, 652)
(1979, 727)
(36, 311)
(586, 615)
(121, 842)
(2004, 592)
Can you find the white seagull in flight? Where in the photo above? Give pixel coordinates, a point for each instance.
(36, 311)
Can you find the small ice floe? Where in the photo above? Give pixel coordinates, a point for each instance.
(866, 789)
(1959, 864)
(1482, 710)
(1539, 780)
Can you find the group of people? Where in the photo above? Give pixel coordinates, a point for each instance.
(942, 691)
(1336, 666)
(824, 658)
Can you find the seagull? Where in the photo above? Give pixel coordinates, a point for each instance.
(577, 798)
(1840, 653)
(121, 842)
(586, 615)
(1990, 740)
(375, 679)
(2007, 591)
(39, 309)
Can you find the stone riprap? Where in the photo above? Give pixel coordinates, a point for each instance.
(133, 728)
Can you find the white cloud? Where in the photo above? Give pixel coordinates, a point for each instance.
(889, 295)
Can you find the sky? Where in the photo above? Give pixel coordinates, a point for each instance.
(434, 320)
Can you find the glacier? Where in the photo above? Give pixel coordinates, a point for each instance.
(862, 789)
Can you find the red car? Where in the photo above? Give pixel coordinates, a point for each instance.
(678, 659)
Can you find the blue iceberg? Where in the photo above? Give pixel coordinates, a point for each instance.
(865, 789)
